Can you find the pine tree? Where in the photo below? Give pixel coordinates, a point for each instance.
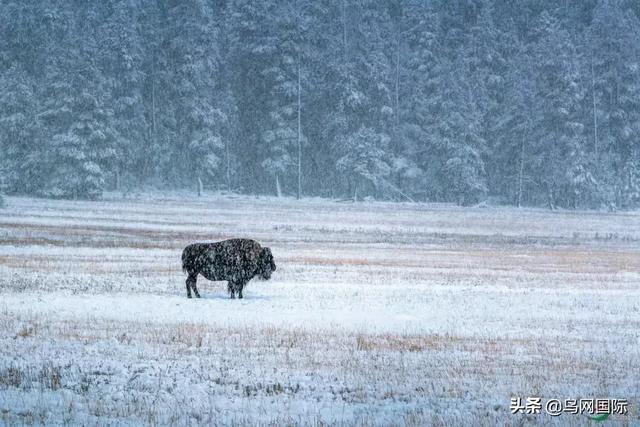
(194, 57)
(615, 84)
(511, 165)
(455, 146)
(17, 104)
(365, 100)
(420, 72)
(74, 142)
(561, 142)
(364, 160)
(251, 46)
(122, 56)
(487, 51)
(283, 138)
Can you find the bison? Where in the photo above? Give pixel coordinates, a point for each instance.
(234, 260)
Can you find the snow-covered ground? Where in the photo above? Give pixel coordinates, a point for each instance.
(378, 313)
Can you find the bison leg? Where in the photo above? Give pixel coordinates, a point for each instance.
(231, 287)
(195, 289)
(191, 284)
(236, 287)
(189, 287)
(240, 287)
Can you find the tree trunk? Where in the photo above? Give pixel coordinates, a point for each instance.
(397, 89)
(521, 173)
(595, 117)
(355, 190)
(199, 187)
(228, 172)
(278, 189)
(344, 32)
(154, 137)
(344, 67)
(299, 133)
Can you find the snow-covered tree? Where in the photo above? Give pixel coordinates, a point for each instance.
(530, 103)
(560, 148)
(17, 134)
(364, 160)
(614, 50)
(283, 135)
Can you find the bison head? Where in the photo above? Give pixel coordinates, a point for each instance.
(265, 264)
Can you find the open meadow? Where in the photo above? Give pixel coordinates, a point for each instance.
(378, 313)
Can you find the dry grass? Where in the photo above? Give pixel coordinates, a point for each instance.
(353, 368)
(530, 260)
(435, 253)
(435, 378)
(458, 263)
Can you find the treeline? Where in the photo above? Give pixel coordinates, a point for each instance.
(533, 102)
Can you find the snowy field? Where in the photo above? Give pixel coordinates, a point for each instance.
(378, 314)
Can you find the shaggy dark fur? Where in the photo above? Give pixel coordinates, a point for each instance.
(234, 260)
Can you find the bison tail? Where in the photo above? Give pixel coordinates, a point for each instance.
(185, 261)
(185, 266)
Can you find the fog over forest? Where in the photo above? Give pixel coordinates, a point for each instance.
(532, 103)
